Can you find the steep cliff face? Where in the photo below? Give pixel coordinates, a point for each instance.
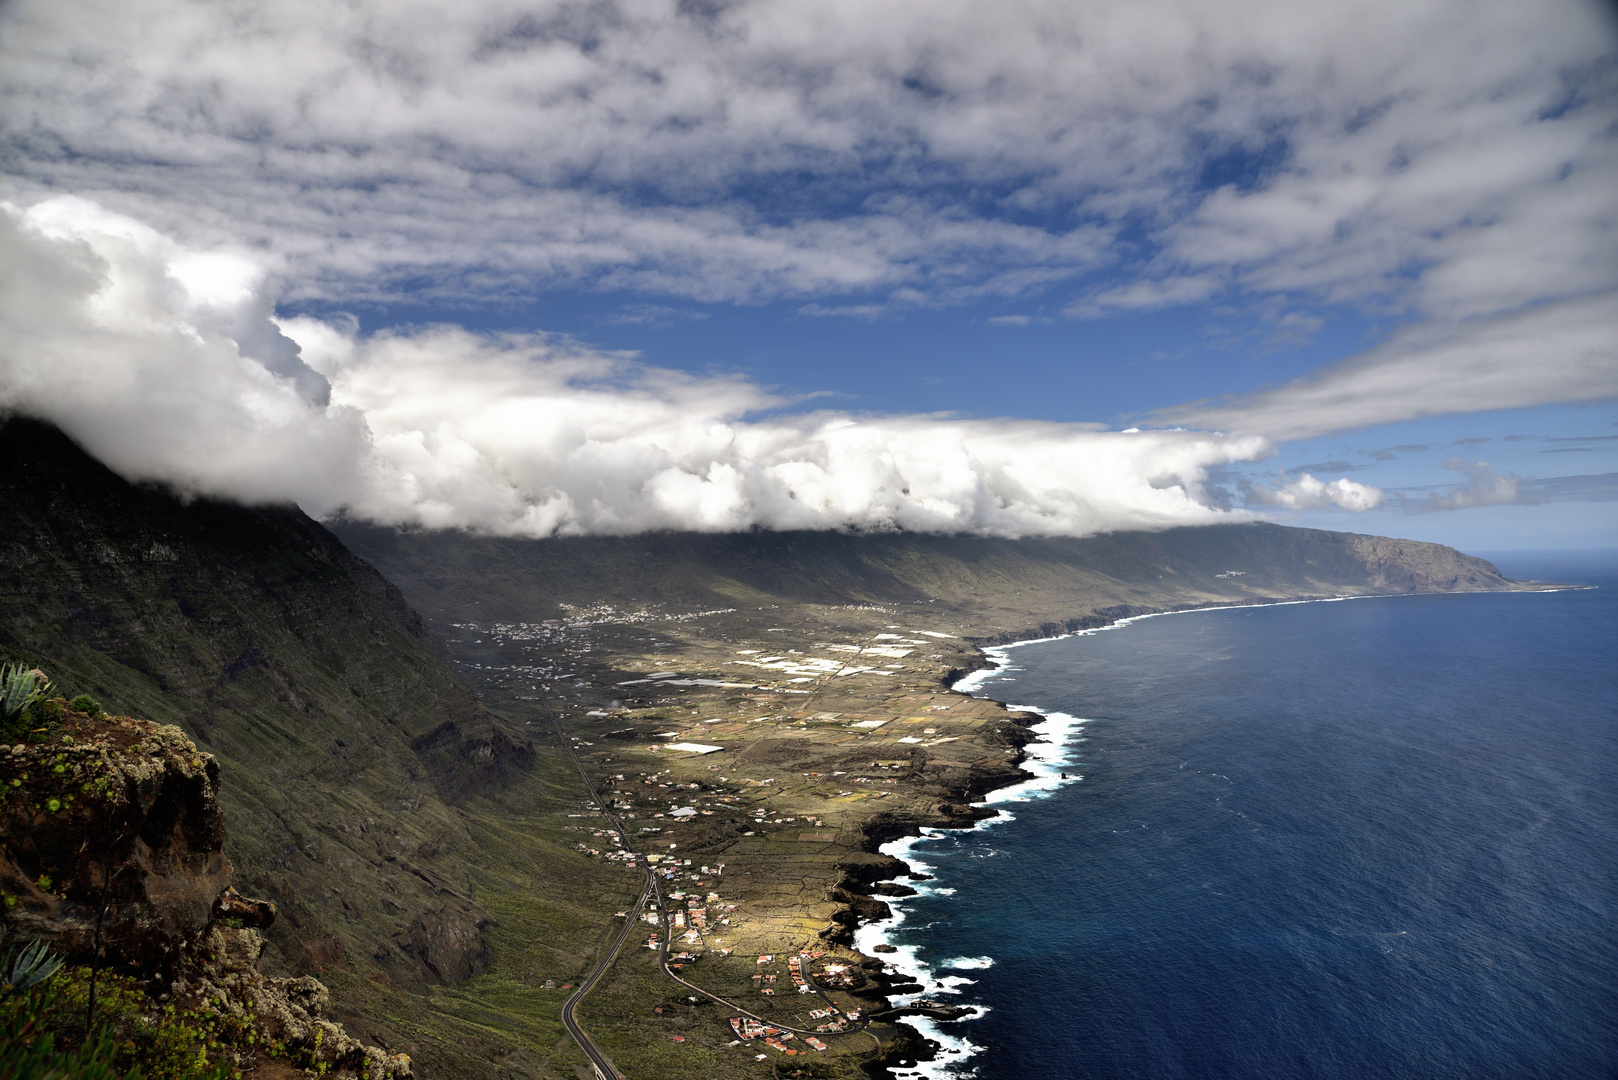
(112, 850)
(343, 736)
(1017, 583)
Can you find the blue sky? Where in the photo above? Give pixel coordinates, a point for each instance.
(1115, 369)
(1031, 268)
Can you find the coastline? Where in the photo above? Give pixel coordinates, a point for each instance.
(744, 642)
(945, 1051)
(934, 1053)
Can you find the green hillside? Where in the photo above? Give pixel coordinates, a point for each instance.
(360, 776)
(1010, 586)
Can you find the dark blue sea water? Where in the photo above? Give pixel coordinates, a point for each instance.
(1372, 838)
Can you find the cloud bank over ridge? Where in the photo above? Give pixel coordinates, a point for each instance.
(167, 364)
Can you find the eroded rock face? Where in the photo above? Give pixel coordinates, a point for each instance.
(449, 943)
(220, 966)
(863, 907)
(112, 848)
(118, 817)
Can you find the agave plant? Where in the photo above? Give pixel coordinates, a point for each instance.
(19, 688)
(27, 967)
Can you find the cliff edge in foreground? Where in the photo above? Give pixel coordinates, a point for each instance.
(345, 741)
(112, 852)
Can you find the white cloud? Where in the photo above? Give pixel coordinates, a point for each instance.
(161, 360)
(1147, 294)
(1563, 352)
(844, 311)
(1484, 486)
(658, 315)
(1308, 493)
(1448, 158)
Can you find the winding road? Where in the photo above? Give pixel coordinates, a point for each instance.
(604, 1068)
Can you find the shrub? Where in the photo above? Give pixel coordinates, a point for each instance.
(86, 704)
(27, 1054)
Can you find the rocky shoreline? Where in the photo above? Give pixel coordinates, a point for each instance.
(962, 811)
(878, 873)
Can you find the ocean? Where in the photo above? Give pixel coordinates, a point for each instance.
(1363, 838)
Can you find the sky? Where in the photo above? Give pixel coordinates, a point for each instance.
(1023, 268)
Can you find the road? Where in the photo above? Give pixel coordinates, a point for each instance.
(605, 1069)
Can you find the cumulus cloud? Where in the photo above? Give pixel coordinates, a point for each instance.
(1562, 352)
(1308, 493)
(164, 362)
(1449, 158)
(161, 359)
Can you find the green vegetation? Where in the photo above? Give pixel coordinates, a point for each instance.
(28, 1054)
(24, 967)
(88, 705)
(43, 1030)
(342, 737)
(43, 1013)
(49, 1029)
(1015, 585)
(24, 706)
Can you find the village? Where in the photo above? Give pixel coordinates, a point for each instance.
(740, 763)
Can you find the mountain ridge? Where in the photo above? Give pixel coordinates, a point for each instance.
(1059, 579)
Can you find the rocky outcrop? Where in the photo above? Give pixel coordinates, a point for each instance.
(112, 848)
(219, 966)
(448, 943)
(862, 908)
(113, 838)
(868, 867)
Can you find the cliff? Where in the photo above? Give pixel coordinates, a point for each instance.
(344, 739)
(1011, 587)
(112, 851)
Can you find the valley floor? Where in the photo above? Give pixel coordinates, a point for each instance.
(753, 759)
(758, 714)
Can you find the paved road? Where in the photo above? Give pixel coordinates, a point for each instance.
(603, 1065)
